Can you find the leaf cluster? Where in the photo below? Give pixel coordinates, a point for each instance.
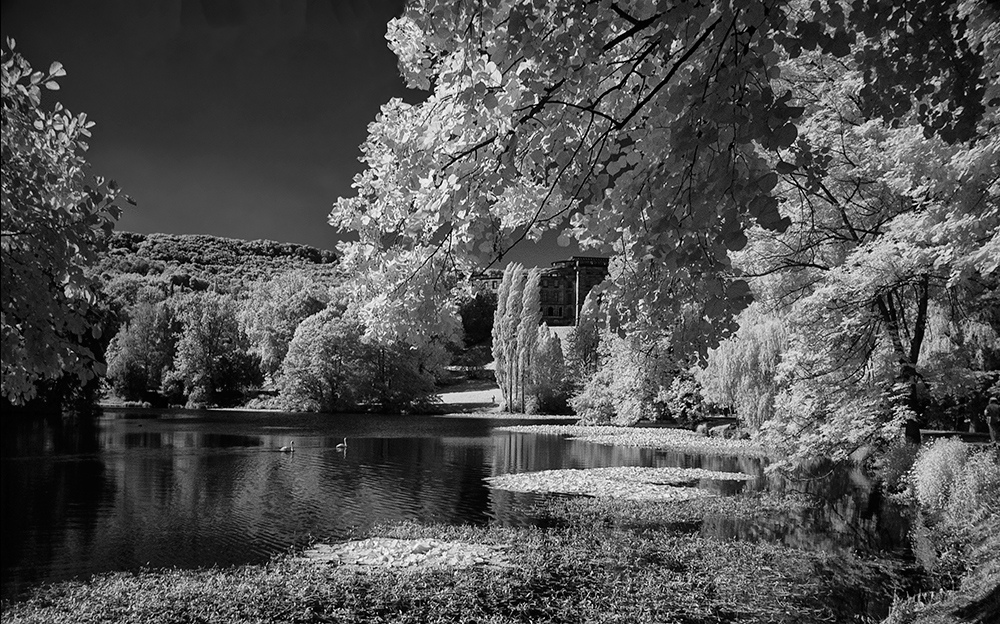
(53, 218)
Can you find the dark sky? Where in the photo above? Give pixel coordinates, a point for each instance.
(227, 117)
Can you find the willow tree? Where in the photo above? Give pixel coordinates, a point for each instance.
(53, 217)
(742, 373)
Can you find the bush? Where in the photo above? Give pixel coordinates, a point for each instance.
(975, 492)
(683, 399)
(958, 491)
(894, 466)
(935, 471)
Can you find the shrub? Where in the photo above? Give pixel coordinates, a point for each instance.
(958, 491)
(683, 399)
(935, 472)
(894, 465)
(975, 492)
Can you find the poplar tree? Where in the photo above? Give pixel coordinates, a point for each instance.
(548, 371)
(527, 335)
(515, 304)
(499, 320)
(584, 341)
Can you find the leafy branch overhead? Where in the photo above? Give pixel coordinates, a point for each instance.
(52, 217)
(654, 132)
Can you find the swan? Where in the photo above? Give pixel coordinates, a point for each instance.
(342, 445)
(289, 448)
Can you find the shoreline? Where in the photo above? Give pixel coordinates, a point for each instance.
(592, 563)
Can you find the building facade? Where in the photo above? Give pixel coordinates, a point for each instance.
(563, 288)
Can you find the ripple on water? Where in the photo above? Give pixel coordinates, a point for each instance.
(196, 489)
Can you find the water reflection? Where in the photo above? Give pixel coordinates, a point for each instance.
(846, 512)
(189, 489)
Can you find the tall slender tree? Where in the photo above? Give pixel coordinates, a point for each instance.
(527, 333)
(548, 380)
(499, 323)
(515, 305)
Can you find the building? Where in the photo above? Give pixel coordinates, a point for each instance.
(564, 286)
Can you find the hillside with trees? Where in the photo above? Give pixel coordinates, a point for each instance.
(201, 262)
(209, 321)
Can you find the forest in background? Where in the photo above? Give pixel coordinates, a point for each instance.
(209, 321)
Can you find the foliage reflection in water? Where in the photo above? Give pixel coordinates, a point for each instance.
(190, 489)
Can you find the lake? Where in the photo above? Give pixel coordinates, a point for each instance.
(165, 488)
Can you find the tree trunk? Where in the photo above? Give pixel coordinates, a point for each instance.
(907, 375)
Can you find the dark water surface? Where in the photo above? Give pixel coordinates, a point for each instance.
(164, 488)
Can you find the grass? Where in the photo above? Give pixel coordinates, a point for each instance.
(626, 567)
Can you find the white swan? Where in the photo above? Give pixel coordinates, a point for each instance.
(343, 445)
(289, 448)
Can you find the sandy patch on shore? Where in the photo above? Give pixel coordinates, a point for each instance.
(647, 437)
(476, 397)
(482, 403)
(627, 482)
(508, 416)
(390, 552)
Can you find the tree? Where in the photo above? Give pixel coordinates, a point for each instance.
(405, 376)
(51, 221)
(499, 346)
(584, 341)
(213, 355)
(742, 372)
(529, 359)
(629, 380)
(273, 310)
(328, 366)
(331, 367)
(684, 399)
(960, 365)
(648, 131)
(508, 336)
(888, 224)
(142, 352)
(548, 376)
(527, 334)
(477, 312)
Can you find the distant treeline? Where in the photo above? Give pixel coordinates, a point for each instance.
(203, 320)
(200, 262)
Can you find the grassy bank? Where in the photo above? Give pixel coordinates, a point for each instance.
(599, 562)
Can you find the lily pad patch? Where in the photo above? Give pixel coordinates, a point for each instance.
(630, 482)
